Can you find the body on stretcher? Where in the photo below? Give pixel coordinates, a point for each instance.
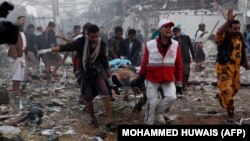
(122, 76)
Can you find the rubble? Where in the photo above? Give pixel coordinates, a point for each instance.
(9, 130)
(8, 116)
(35, 115)
(47, 132)
(15, 138)
(51, 111)
(57, 102)
(245, 121)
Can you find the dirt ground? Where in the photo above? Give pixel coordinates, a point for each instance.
(64, 119)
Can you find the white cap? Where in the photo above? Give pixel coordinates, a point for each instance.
(164, 22)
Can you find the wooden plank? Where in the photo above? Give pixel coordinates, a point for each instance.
(8, 116)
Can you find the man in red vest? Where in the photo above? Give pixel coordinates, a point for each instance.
(161, 68)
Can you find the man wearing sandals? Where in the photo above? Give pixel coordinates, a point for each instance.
(231, 55)
(16, 58)
(94, 67)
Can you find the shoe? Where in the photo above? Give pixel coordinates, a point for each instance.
(230, 117)
(94, 124)
(110, 127)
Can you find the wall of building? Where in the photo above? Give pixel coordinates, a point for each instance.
(189, 21)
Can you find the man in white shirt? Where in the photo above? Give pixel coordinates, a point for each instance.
(200, 55)
(16, 58)
(131, 47)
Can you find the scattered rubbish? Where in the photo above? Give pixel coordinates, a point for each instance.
(202, 114)
(116, 109)
(19, 119)
(47, 132)
(57, 102)
(69, 132)
(3, 110)
(96, 139)
(172, 117)
(212, 112)
(21, 106)
(54, 109)
(8, 116)
(9, 130)
(15, 138)
(197, 99)
(245, 121)
(100, 137)
(50, 109)
(35, 115)
(53, 138)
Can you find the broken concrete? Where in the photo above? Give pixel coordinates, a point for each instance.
(64, 118)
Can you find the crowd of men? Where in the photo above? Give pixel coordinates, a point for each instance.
(164, 62)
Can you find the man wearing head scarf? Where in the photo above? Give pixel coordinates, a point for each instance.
(161, 68)
(94, 68)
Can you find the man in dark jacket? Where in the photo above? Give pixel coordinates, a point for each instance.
(103, 35)
(49, 59)
(131, 48)
(114, 43)
(31, 53)
(94, 67)
(186, 48)
(231, 55)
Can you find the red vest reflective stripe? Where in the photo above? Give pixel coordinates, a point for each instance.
(156, 59)
(161, 69)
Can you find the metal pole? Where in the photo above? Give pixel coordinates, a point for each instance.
(44, 22)
(214, 27)
(55, 8)
(39, 21)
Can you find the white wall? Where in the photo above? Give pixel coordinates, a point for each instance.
(190, 21)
